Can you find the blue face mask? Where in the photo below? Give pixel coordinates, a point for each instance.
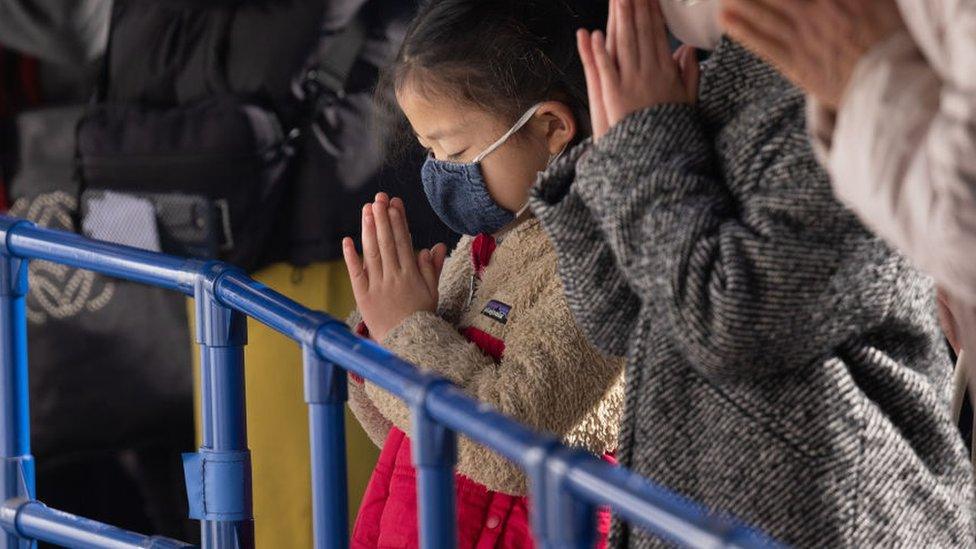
(458, 194)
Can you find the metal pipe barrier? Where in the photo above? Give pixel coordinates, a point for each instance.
(567, 485)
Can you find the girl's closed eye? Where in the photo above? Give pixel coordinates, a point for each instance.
(456, 157)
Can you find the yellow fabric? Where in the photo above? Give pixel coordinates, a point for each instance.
(277, 416)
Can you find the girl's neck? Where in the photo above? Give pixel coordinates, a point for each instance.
(524, 216)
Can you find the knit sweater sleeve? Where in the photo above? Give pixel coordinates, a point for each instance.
(549, 378)
(599, 296)
(751, 282)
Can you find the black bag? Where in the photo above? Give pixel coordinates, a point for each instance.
(213, 172)
(209, 165)
(110, 363)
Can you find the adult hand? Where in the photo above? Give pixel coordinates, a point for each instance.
(816, 43)
(389, 281)
(631, 68)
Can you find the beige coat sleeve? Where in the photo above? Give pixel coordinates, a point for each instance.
(902, 149)
(549, 379)
(373, 422)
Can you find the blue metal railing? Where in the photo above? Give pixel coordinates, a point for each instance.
(567, 485)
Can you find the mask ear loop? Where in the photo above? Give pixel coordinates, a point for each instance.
(552, 160)
(558, 154)
(518, 126)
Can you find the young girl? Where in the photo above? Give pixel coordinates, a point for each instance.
(494, 90)
(785, 365)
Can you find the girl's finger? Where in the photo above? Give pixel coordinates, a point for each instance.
(609, 77)
(439, 255)
(657, 33)
(385, 240)
(598, 116)
(611, 29)
(426, 264)
(371, 251)
(626, 53)
(690, 71)
(646, 33)
(397, 202)
(357, 275)
(401, 237)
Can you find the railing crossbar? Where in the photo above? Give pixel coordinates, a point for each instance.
(567, 483)
(34, 520)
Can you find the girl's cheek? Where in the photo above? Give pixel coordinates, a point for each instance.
(505, 183)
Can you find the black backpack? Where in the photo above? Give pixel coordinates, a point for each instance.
(189, 146)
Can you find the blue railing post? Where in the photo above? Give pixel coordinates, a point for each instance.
(536, 469)
(325, 393)
(17, 480)
(434, 455)
(219, 475)
(569, 522)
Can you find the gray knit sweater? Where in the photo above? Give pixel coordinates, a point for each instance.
(784, 365)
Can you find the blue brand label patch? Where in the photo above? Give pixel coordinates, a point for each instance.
(496, 310)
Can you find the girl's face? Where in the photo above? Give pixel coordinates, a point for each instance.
(457, 132)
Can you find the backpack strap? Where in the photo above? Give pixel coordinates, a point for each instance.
(334, 60)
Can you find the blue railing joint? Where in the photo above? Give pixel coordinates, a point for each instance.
(416, 396)
(218, 324)
(10, 511)
(19, 470)
(13, 276)
(7, 227)
(193, 271)
(13, 269)
(537, 458)
(213, 270)
(570, 519)
(319, 322)
(536, 464)
(433, 444)
(325, 381)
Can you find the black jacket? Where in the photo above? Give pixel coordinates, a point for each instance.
(172, 52)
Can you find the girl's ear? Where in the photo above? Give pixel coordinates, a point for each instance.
(557, 122)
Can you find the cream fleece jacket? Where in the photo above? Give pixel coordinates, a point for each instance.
(550, 378)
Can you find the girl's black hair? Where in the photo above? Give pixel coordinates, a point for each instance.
(500, 55)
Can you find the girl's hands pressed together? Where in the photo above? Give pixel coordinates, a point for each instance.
(632, 68)
(390, 282)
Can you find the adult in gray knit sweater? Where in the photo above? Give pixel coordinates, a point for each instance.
(784, 364)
